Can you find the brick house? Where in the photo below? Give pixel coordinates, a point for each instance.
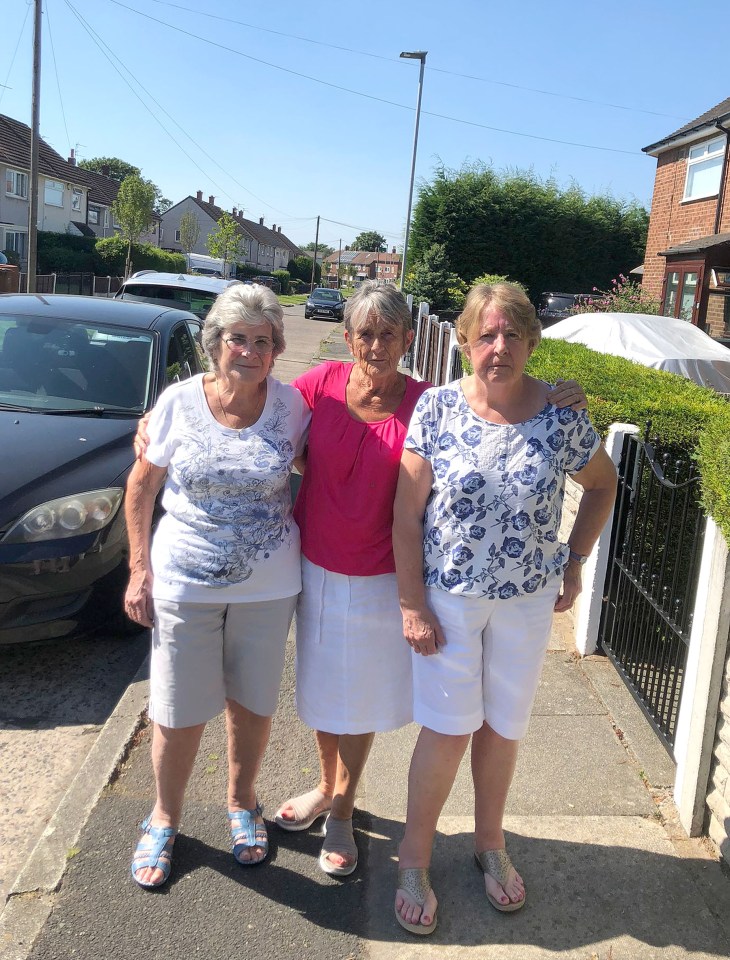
(687, 262)
(363, 265)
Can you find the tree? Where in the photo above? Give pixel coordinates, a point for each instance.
(189, 233)
(432, 280)
(111, 167)
(515, 224)
(133, 210)
(369, 240)
(301, 269)
(119, 170)
(323, 249)
(225, 242)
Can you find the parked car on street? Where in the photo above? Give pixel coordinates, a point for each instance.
(324, 304)
(76, 374)
(552, 307)
(183, 291)
(271, 282)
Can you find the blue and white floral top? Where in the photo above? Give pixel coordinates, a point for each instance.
(227, 534)
(492, 520)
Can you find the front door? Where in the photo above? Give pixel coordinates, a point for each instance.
(682, 290)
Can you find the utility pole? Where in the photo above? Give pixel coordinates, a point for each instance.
(415, 55)
(34, 137)
(316, 246)
(339, 263)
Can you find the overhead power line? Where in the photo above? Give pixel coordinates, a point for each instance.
(55, 69)
(15, 53)
(369, 96)
(430, 68)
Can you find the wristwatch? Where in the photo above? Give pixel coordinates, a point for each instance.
(578, 557)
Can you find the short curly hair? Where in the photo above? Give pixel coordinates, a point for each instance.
(242, 303)
(385, 301)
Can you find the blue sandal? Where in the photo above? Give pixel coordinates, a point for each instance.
(153, 850)
(246, 833)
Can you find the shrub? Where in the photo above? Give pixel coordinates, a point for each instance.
(432, 280)
(283, 276)
(301, 268)
(682, 413)
(65, 253)
(12, 257)
(113, 253)
(625, 296)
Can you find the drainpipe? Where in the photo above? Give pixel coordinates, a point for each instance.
(723, 178)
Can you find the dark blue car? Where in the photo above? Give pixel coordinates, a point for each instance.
(76, 374)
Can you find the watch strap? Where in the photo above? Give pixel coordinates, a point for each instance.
(578, 557)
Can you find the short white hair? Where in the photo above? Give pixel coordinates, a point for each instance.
(242, 303)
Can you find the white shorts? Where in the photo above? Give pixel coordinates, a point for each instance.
(205, 653)
(489, 668)
(353, 663)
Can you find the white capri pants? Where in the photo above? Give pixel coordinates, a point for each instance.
(205, 653)
(489, 668)
(353, 663)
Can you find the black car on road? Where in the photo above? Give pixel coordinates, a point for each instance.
(325, 304)
(552, 307)
(76, 374)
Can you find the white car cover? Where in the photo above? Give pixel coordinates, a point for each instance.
(660, 342)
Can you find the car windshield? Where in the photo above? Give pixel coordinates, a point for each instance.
(49, 364)
(332, 295)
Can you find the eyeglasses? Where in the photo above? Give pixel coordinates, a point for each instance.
(261, 345)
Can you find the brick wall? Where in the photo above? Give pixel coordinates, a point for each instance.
(715, 317)
(718, 797)
(673, 222)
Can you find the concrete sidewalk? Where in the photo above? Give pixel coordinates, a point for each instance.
(609, 874)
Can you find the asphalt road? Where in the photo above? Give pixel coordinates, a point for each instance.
(55, 697)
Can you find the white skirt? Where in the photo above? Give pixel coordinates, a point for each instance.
(353, 664)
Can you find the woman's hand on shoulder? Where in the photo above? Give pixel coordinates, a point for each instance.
(422, 631)
(138, 599)
(141, 437)
(568, 393)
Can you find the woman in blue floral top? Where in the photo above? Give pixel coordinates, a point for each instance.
(480, 571)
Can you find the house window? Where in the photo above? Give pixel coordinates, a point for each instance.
(76, 200)
(680, 294)
(53, 196)
(106, 218)
(704, 167)
(16, 240)
(16, 184)
(177, 236)
(94, 216)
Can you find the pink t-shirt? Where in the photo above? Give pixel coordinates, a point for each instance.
(345, 505)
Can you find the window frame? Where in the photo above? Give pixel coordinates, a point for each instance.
(682, 268)
(93, 212)
(13, 174)
(707, 155)
(16, 233)
(77, 194)
(53, 185)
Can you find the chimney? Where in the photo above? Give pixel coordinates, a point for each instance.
(105, 169)
(273, 227)
(199, 195)
(279, 229)
(211, 201)
(72, 158)
(235, 212)
(393, 250)
(261, 221)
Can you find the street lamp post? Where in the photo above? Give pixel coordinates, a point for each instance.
(413, 55)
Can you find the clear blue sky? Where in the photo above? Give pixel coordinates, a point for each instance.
(231, 122)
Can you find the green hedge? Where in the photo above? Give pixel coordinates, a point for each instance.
(284, 278)
(113, 253)
(681, 413)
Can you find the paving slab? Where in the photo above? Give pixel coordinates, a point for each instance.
(607, 888)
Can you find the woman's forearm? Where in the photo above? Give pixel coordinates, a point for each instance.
(593, 512)
(143, 486)
(408, 552)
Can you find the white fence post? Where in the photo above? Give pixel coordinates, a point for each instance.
(702, 680)
(588, 612)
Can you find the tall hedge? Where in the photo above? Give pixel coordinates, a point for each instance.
(516, 224)
(113, 253)
(682, 413)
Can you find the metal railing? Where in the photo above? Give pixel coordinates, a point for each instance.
(651, 582)
(84, 284)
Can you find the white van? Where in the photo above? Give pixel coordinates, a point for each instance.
(181, 290)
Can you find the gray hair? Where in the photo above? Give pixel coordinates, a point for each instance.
(386, 302)
(242, 303)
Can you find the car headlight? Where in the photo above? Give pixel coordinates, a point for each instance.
(66, 517)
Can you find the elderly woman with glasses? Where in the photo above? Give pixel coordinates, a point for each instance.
(218, 581)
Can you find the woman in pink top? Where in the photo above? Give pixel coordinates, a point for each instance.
(353, 665)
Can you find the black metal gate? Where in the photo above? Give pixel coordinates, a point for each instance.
(651, 582)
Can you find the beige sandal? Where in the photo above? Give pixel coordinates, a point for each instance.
(497, 864)
(307, 808)
(416, 882)
(338, 838)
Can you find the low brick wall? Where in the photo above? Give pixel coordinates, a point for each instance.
(718, 796)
